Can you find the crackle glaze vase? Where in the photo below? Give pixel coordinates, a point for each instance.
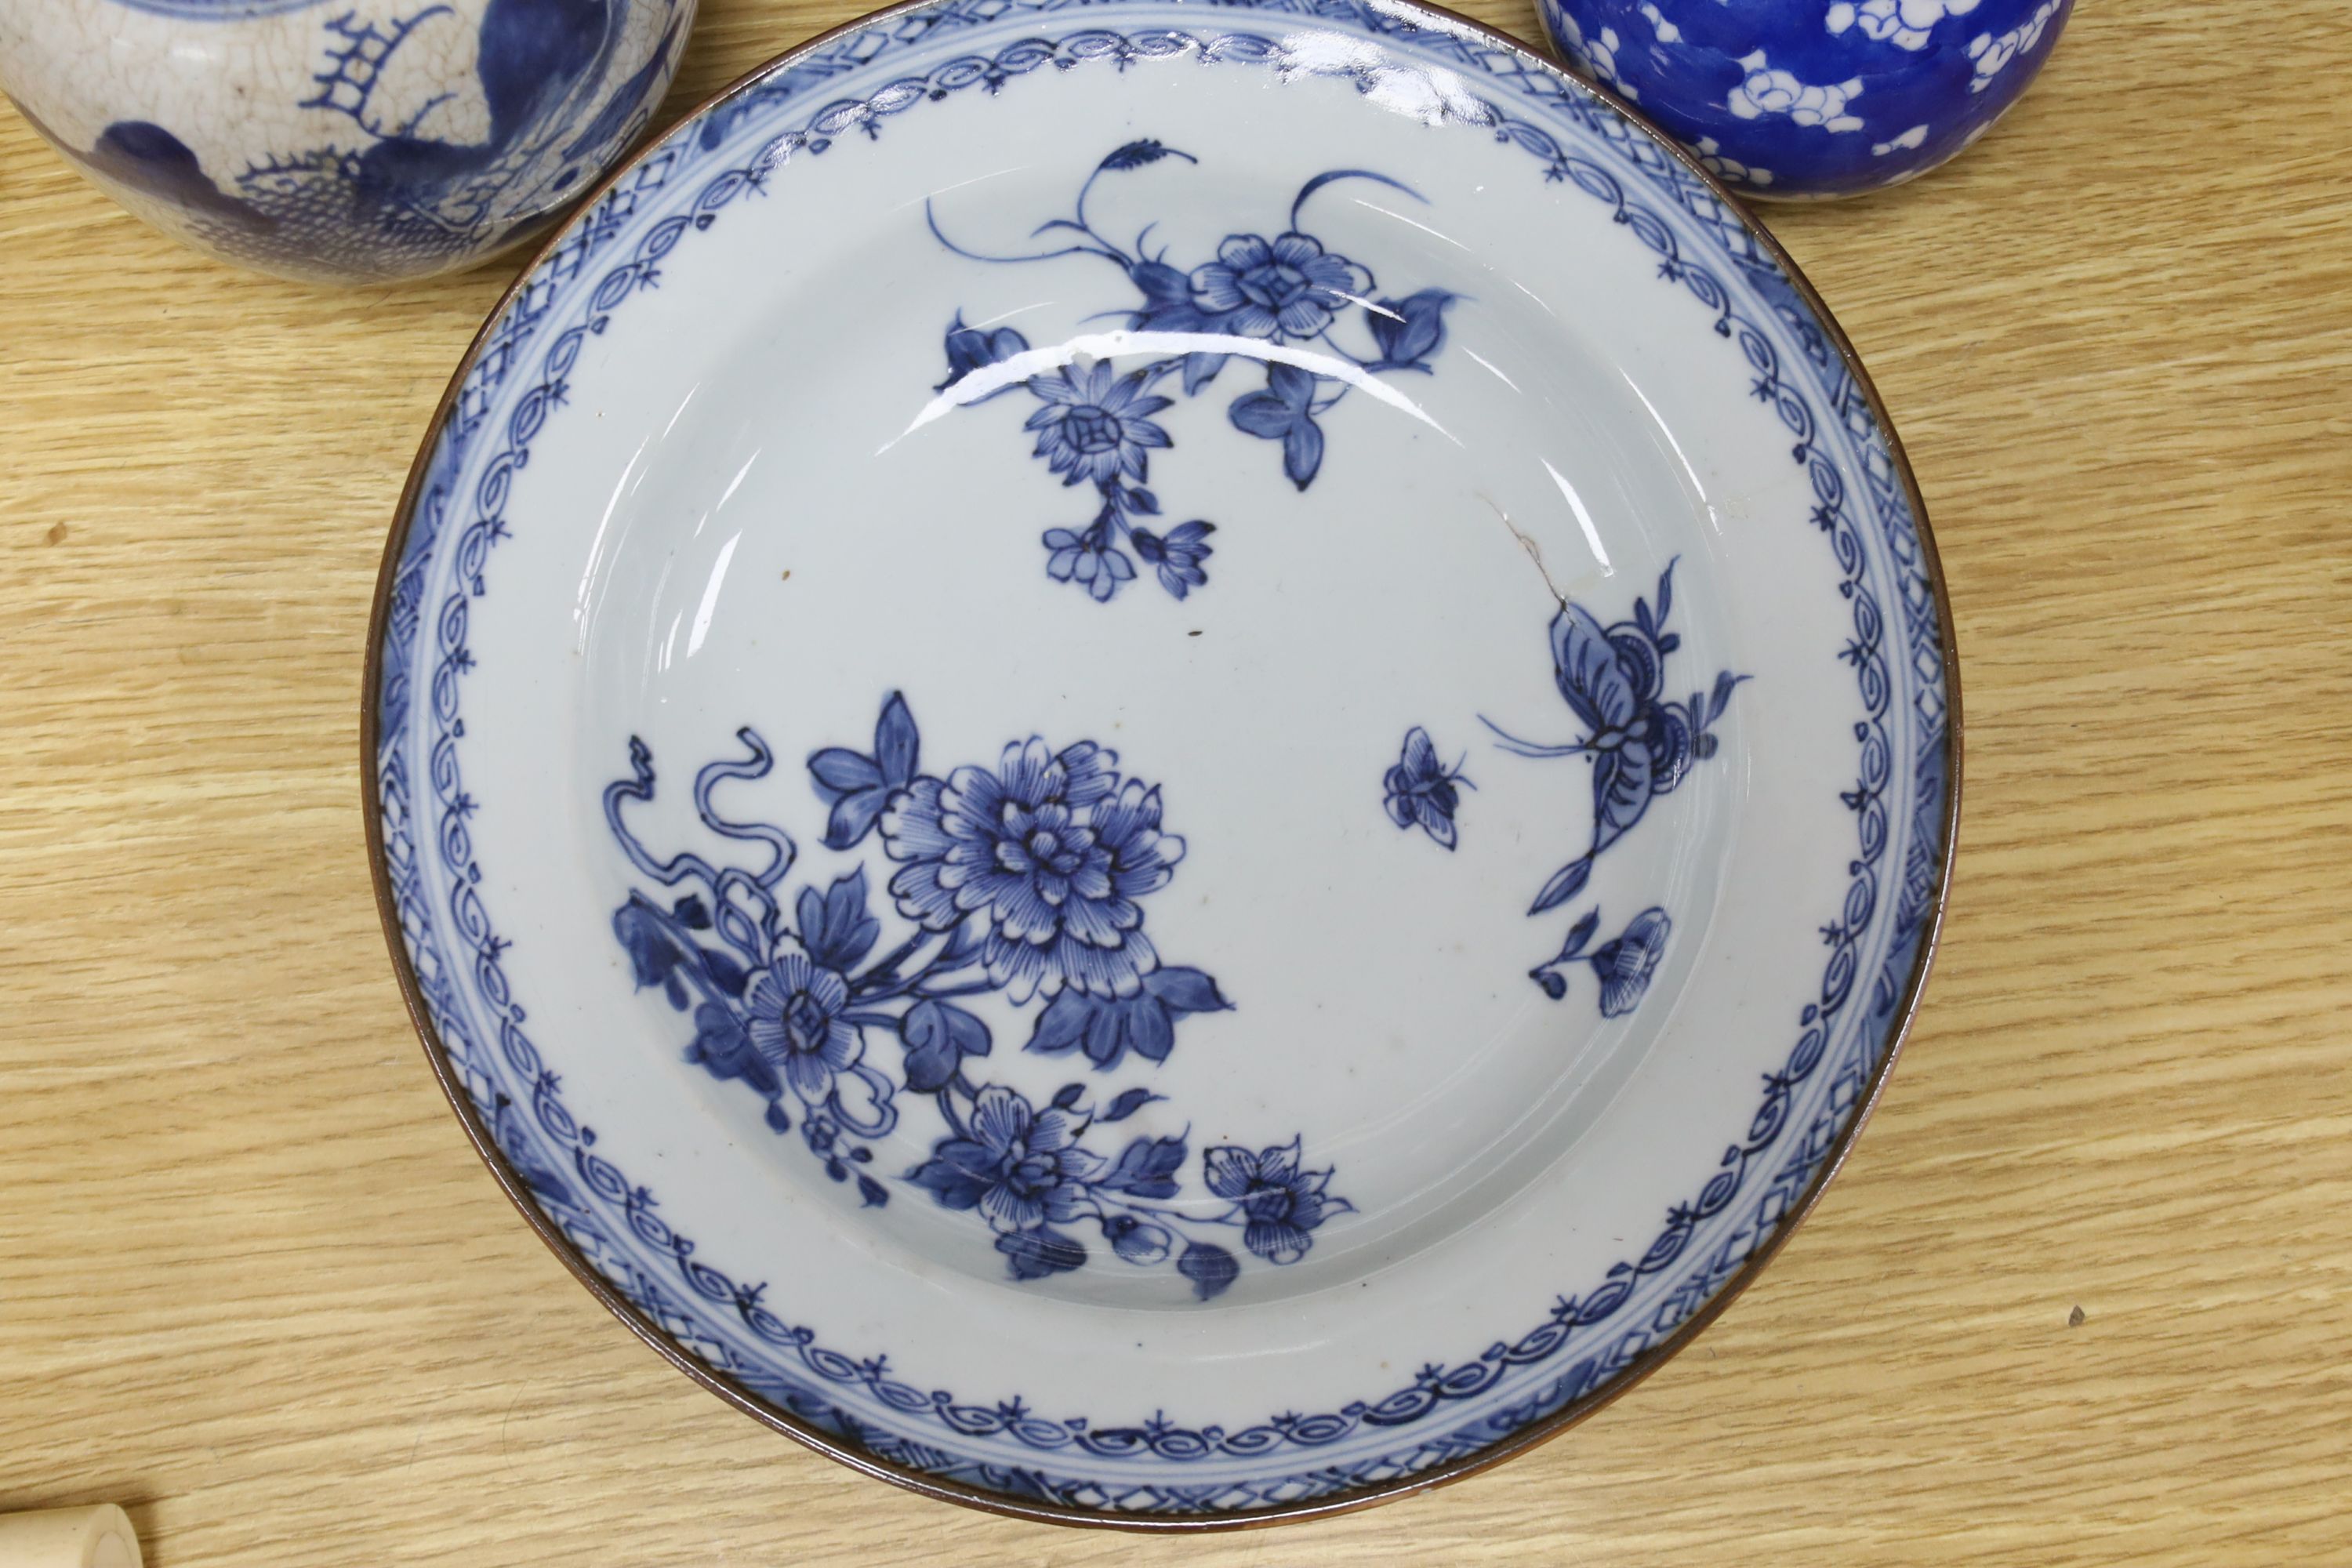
(1813, 98)
(342, 141)
(1160, 764)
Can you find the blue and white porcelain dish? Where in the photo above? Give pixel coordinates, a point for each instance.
(343, 141)
(1806, 99)
(1161, 764)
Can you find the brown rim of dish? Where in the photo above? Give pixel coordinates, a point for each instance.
(1438, 19)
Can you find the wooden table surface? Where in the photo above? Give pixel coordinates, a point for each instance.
(2083, 1295)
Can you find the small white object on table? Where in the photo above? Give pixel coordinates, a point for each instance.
(98, 1537)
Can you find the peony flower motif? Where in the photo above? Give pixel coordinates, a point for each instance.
(1021, 1167)
(1093, 426)
(795, 1023)
(1281, 290)
(1031, 871)
(1051, 850)
(1282, 1204)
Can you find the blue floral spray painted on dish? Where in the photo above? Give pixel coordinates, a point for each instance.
(1280, 302)
(1024, 880)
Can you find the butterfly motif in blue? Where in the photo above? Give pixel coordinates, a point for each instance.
(1638, 745)
(1423, 790)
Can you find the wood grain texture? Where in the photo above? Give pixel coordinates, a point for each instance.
(255, 1286)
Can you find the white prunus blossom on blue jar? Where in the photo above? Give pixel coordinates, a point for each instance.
(1813, 98)
(343, 141)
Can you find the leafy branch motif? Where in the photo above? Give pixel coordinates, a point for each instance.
(1639, 747)
(1096, 425)
(1023, 881)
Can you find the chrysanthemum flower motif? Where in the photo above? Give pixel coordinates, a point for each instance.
(1095, 426)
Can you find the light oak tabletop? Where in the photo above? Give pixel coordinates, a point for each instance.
(2084, 1294)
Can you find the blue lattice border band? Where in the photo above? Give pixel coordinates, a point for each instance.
(519, 379)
